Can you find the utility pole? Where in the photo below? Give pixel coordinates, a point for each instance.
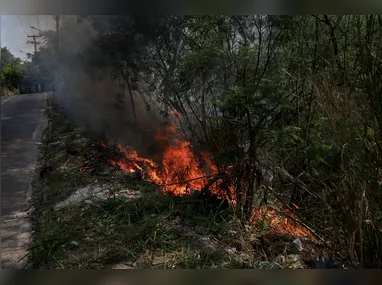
(59, 74)
(57, 17)
(34, 41)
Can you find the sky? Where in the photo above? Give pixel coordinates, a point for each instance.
(16, 28)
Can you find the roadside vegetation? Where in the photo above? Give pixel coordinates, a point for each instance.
(11, 70)
(288, 109)
(149, 230)
(21, 77)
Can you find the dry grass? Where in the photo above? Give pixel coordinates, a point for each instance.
(152, 231)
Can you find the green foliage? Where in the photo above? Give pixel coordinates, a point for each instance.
(8, 59)
(25, 77)
(11, 72)
(10, 77)
(287, 137)
(300, 93)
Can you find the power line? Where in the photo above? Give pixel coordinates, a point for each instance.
(21, 25)
(29, 24)
(34, 36)
(17, 46)
(38, 22)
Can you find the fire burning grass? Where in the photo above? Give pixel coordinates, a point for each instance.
(278, 222)
(113, 230)
(180, 172)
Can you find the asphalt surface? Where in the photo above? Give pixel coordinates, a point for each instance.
(21, 119)
(22, 124)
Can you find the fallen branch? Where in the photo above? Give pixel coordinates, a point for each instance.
(189, 180)
(210, 182)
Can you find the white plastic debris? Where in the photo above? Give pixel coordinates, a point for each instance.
(96, 193)
(205, 239)
(231, 250)
(280, 259)
(298, 244)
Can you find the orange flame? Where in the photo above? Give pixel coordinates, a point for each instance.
(279, 222)
(294, 205)
(180, 171)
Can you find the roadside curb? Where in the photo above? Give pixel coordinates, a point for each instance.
(8, 99)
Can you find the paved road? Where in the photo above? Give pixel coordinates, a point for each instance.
(22, 123)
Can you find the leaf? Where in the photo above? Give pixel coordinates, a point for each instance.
(287, 136)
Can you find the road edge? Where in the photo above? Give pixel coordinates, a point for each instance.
(8, 99)
(22, 217)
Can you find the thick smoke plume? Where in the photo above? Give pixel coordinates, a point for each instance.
(100, 104)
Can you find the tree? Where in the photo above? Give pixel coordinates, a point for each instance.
(289, 107)
(11, 72)
(8, 59)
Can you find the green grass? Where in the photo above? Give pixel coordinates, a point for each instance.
(141, 231)
(114, 230)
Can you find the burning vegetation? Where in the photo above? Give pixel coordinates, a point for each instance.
(180, 172)
(114, 199)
